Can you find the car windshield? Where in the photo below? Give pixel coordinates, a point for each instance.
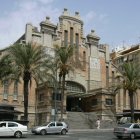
(127, 125)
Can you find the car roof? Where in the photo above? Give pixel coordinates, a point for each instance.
(7, 121)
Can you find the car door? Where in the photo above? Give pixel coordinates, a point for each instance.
(4, 131)
(12, 127)
(136, 129)
(59, 126)
(51, 127)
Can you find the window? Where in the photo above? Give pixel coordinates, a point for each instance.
(22, 118)
(94, 102)
(59, 124)
(12, 125)
(41, 97)
(65, 38)
(107, 76)
(6, 89)
(84, 59)
(71, 36)
(113, 77)
(109, 102)
(3, 125)
(77, 40)
(52, 124)
(77, 46)
(15, 95)
(58, 96)
(136, 126)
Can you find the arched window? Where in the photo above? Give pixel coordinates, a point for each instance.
(75, 87)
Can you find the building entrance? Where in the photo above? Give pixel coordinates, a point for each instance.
(74, 104)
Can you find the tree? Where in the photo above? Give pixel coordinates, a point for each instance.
(64, 63)
(5, 68)
(29, 61)
(130, 82)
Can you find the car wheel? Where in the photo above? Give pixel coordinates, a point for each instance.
(18, 134)
(132, 136)
(119, 137)
(63, 132)
(43, 132)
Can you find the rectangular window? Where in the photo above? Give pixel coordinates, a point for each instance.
(41, 97)
(113, 77)
(65, 38)
(107, 76)
(6, 90)
(77, 40)
(77, 46)
(71, 36)
(84, 60)
(15, 95)
(58, 96)
(109, 102)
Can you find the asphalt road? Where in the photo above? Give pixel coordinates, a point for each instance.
(73, 135)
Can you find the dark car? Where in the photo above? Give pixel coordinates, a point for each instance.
(128, 130)
(52, 127)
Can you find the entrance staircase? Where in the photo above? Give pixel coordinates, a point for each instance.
(81, 120)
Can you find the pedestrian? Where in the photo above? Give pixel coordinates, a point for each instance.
(98, 123)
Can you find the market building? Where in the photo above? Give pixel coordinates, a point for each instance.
(86, 89)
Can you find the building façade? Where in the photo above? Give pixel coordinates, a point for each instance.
(119, 56)
(86, 90)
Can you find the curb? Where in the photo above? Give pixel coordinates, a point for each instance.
(89, 130)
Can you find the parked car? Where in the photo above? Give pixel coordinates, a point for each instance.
(10, 128)
(52, 127)
(128, 130)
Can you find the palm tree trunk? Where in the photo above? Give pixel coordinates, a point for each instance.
(62, 97)
(131, 106)
(26, 99)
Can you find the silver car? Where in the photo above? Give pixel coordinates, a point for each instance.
(52, 127)
(128, 130)
(10, 128)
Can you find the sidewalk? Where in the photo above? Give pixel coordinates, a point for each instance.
(90, 130)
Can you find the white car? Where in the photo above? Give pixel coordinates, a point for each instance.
(10, 128)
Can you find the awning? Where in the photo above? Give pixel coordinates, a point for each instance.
(80, 94)
(2, 111)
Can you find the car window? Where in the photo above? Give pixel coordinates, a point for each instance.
(136, 126)
(59, 124)
(51, 124)
(12, 124)
(3, 125)
(127, 125)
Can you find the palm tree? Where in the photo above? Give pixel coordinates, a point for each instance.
(29, 61)
(64, 62)
(5, 69)
(130, 82)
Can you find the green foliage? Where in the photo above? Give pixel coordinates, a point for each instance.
(130, 77)
(27, 62)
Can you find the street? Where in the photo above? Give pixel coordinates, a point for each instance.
(73, 135)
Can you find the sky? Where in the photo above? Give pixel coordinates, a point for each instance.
(116, 22)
